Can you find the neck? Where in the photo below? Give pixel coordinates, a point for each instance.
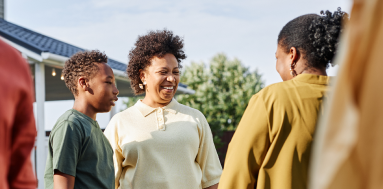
(314, 71)
(150, 102)
(85, 108)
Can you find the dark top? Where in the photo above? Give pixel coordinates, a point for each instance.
(78, 147)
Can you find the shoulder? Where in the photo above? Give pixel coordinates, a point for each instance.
(190, 111)
(122, 118)
(195, 115)
(125, 114)
(275, 92)
(65, 128)
(68, 120)
(274, 88)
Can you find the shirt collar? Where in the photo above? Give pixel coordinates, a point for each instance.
(146, 110)
(313, 79)
(85, 117)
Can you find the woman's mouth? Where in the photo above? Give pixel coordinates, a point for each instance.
(168, 89)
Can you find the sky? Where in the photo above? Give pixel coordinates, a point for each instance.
(242, 29)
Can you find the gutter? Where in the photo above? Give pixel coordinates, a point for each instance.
(54, 57)
(58, 61)
(185, 90)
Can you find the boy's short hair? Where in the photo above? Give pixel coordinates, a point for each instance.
(82, 64)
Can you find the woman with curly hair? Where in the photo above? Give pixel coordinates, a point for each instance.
(271, 146)
(159, 143)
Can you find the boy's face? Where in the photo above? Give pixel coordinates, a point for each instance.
(102, 90)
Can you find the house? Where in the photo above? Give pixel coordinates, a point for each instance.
(46, 57)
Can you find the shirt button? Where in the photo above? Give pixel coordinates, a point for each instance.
(159, 111)
(160, 119)
(161, 126)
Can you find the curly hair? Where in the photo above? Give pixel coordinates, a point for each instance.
(154, 44)
(82, 63)
(315, 36)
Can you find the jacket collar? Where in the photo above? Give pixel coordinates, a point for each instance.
(313, 79)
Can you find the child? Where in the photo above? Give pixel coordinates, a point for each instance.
(79, 155)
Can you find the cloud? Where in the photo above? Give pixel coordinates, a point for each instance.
(243, 29)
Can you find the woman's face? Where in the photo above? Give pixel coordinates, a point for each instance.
(162, 77)
(284, 61)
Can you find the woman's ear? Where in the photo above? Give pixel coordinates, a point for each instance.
(142, 74)
(294, 54)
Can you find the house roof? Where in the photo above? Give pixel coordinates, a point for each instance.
(40, 43)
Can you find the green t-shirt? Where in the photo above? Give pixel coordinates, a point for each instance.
(78, 147)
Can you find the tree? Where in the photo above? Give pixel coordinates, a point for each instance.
(222, 91)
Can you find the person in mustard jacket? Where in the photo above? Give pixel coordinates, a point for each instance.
(271, 146)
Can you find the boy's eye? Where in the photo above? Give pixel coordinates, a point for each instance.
(109, 82)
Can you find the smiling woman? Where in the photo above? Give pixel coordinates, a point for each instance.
(151, 48)
(160, 80)
(159, 143)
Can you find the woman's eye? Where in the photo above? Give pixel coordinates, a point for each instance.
(109, 82)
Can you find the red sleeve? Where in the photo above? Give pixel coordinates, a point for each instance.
(23, 137)
(22, 130)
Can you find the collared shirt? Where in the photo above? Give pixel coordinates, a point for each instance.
(274, 136)
(168, 147)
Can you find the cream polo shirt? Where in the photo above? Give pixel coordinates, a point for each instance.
(168, 147)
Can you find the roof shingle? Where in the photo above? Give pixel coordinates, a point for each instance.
(39, 43)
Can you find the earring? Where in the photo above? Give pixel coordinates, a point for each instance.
(292, 71)
(142, 85)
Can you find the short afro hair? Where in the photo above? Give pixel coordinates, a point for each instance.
(315, 36)
(82, 63)
(154, 44)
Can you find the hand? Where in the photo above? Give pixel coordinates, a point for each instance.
(215, 186)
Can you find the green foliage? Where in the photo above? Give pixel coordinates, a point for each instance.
(222, 91)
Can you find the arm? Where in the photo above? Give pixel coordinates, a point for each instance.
(112, 135)
(247, 148)
(215, 186)
(63, 181)
(207, 156)
(65, 144)
(23, 129)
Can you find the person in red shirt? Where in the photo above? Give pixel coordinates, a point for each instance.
(17, 123)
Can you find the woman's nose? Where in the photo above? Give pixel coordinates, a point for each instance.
(171, 79)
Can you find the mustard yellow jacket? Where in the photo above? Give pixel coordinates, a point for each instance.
(274, 136)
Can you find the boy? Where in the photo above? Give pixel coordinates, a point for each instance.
(79, 155)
